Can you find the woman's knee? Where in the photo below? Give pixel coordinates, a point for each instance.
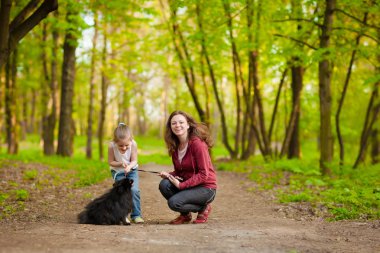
(164, 185)
(174, 204)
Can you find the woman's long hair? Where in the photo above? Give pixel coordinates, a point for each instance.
(196, 129)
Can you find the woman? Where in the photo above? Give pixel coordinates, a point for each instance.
(191, 187)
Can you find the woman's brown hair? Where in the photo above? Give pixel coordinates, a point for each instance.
(196, 129)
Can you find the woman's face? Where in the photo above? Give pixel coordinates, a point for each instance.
(179, 125)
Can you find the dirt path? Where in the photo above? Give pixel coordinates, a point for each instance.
(241, 221)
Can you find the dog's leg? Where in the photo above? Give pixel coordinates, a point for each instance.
(126, 221)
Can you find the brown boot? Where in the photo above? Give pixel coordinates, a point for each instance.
(203, 215)
(186, 218)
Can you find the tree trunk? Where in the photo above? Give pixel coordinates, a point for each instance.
(185, 62)
(238, 76)
(324, 77)
(371, 117)
(90, 117)
(65, 135)
(225, 141)
(276, 103)
(375, 148)
(249, 144)
(261, 134)
(103, 102)
(11, 104)
(341, 100)
(47, 94)
(294, 149)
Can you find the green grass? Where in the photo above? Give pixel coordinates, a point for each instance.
(347, 193)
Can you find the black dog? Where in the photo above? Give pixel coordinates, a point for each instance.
(112, 208)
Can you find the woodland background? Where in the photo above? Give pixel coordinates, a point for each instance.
(288, 85)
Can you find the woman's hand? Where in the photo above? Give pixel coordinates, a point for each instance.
(174, 180)
(164, 174)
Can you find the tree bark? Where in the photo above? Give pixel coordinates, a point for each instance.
(11, 34)
(371, 117)
(65, 135)
(238, 76)
(324, 77)
(11, 104)
(185, 62)
(225, 141)
(294, 150)
(341, 100)
(375, 146)
(90, 117)
(103, 102)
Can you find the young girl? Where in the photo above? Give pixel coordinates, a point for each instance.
(122, 158)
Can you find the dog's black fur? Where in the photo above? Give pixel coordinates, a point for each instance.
(112, 208)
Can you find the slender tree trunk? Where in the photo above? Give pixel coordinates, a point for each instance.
(11, 104)
(47, 131)
(260, 131)
(294, 150)
(238, 76)
(32, 122)
(341, 100)
(249, 144)
(225, 141)
(325, 72)
(2, 100)
(185, 61)
(292, 127)
(375, 154)
(103, 102)
(66, 134)
(375, 148)
(90, 117)
(276, 103)
(371, 117)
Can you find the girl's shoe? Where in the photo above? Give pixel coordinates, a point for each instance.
(138, 220)
(181, 219)
(203, 215)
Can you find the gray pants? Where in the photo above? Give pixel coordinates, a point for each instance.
(193, 199)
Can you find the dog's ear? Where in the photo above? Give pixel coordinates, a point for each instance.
(131, 181)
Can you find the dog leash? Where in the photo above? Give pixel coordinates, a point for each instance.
(149, 171)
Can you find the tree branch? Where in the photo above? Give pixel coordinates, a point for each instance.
(296, 40)
(24, 13)
(298, 19)
(357, 19)
(21, 30)
(358, 32)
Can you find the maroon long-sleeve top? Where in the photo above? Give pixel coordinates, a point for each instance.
(196, 167)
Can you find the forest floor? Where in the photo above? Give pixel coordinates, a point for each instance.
(242, 220)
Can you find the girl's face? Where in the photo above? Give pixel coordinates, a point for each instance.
(179, 125)
(124, 144)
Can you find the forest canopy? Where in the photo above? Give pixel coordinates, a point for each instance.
(276, 79)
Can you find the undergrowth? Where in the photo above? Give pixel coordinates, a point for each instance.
(347, 193)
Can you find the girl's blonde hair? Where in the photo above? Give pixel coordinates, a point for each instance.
(121, 132)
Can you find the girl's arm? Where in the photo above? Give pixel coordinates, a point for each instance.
(111, 158)
(133, 161)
